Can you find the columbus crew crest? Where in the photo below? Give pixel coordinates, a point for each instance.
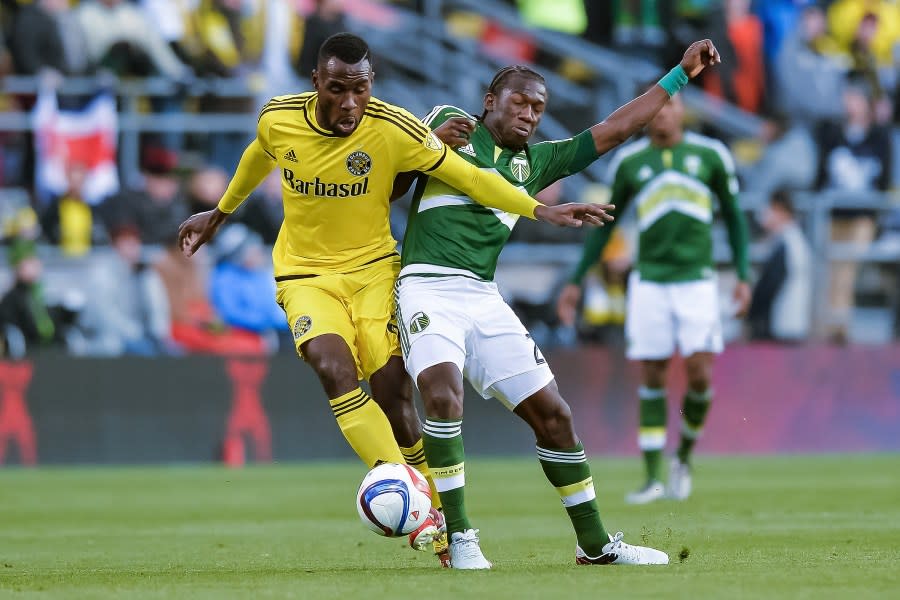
(359, 163)
(418, 322)
(432, 142)
(301, 326)
(520, 167)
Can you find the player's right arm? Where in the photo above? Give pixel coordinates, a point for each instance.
(256, 163)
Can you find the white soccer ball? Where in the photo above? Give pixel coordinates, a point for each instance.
(393, 500)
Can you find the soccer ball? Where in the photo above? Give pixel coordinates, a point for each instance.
(393, 500)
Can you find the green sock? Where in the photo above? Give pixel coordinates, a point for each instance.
(568, 471)
(652, 433)
(694, 409)
(446, 457)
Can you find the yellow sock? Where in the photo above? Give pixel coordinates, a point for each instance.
(415, 457)
(366, 428)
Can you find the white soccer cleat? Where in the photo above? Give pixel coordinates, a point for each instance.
(679, 485)
(465, 553)
(617, 552)
(651, 492)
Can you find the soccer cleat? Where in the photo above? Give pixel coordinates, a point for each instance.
(432, 531)
(651, 492)
(617, 552)
(465, 553)
(679, 485)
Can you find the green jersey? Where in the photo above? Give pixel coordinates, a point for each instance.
(448, 232)
(673, 190)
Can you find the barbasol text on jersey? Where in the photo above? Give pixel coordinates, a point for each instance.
(326, 189)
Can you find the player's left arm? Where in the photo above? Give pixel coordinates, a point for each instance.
(725, 185)
(632, 117)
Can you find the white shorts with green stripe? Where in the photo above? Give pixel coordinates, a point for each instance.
(465, 321)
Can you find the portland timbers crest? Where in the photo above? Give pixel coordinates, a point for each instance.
(418, 322)
(520, 167)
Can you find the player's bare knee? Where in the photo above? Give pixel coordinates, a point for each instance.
(334, 372)
(699, 373)
(442, 396)
(558, 430)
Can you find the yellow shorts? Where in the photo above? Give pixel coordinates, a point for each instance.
(358, 306)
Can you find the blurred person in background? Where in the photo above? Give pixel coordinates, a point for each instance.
(196, 327)
(781, 305)
(808, 75)
(46, 35)
(122, 39)
(242, 286)
(865, 64)
(158, 206)
(70, 222)
(855, 155)
(673, 177)
(23, 306)
(128, 309)
(742, 80)
(326, 20)
(229, 39)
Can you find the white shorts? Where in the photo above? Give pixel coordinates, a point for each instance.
(660, 316)
(466, 322)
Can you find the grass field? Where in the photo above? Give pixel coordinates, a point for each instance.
(787, 527)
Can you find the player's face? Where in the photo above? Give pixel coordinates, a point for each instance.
(515, 112)
(668, 121)
(344, 92)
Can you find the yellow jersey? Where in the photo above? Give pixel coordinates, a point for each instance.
(336, 190)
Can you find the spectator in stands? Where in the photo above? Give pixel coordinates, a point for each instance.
(781, 306)
(120, 38)
(326, 20)
(845, 16)
(69, 221)
(47, 36)
(865, 63)
(23, 305)
(808, 77)
(742, 79)
(195, 325)
(855, 156)
(128, 309)
(264, 215)
(229, 41)
(158, 207)
(242, 287)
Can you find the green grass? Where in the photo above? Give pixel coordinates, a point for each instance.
(787, 527)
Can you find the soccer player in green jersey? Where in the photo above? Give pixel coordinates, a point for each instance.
(672, 176)
(454, 323)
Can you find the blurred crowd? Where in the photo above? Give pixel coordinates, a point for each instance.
(822, 75)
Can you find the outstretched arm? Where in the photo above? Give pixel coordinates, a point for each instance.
(632, 117)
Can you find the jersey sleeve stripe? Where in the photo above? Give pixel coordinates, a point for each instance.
(412, 122)
(267, 109)
(439, 161)
(292, 98)
(414, 135)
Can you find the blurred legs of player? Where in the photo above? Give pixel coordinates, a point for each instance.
(343, 327)
(663, 318)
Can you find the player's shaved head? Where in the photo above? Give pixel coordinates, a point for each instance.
(343, 79)
(346, 47)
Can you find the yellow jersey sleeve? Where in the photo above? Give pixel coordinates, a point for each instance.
(255, 164)
(431, 156)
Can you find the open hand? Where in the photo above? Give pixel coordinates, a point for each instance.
(575, 214)
(698, 56)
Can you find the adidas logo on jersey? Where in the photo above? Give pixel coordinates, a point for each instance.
(468, 149)
(290, 156)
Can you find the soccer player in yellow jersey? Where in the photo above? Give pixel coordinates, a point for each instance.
(335, 260)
